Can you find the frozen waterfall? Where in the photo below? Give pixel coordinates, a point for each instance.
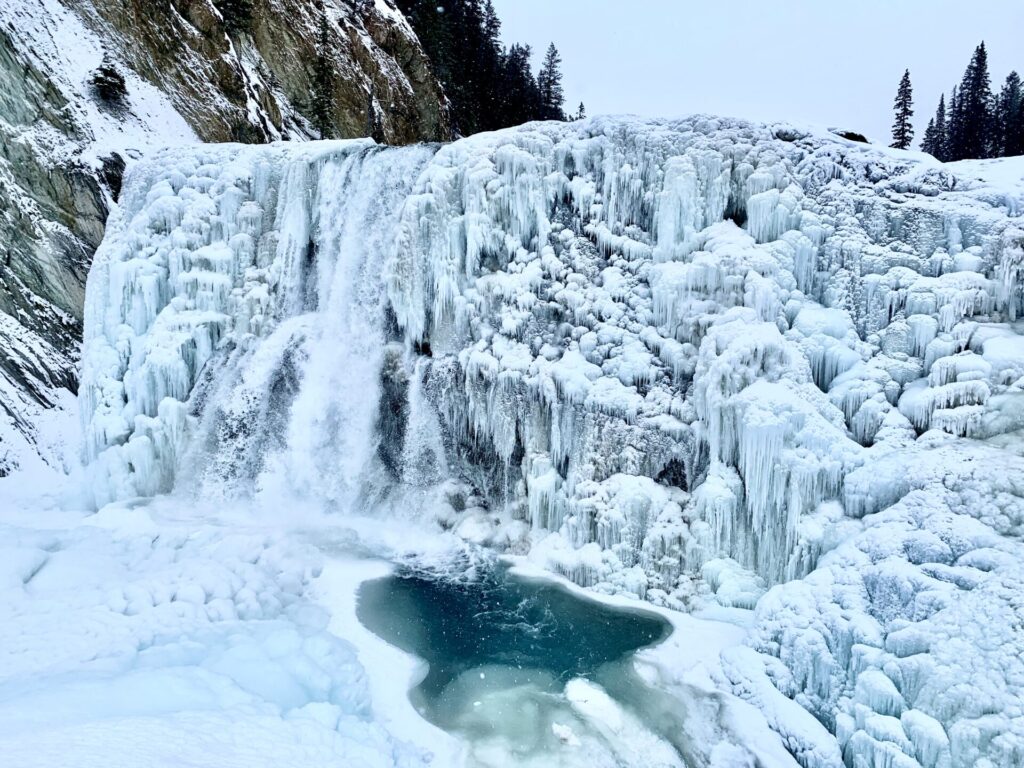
(256, 337)
(694, 360)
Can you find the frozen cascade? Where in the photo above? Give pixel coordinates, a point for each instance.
(252, 288)
(423, 457)
(331, 433)
(692, 359)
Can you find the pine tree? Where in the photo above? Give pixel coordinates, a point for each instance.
(492, 27)
(523, 102)
(971, 134)
(928, 140)
(323, 80)
(431, 23)
(953, 127)
(549, 82)
(581, 113)
(941, 131)
(993, 128)
(472, 59)
(934, 142)
(488, 87)
(902, 128)
(1010, 117)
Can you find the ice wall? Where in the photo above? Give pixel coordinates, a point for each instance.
(678, 358)
(735, 311)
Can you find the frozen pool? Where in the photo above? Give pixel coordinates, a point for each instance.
(523, 670)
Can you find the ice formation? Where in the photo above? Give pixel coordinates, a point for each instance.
(693, 360)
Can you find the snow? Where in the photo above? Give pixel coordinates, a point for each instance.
(714, 364)
(52, 39)
(56, 127)
(390, 673)
(685, 673)
(160, 634)
(58, 43)
(892, 621)
(182, 291)
(143, 635)
(619, 727)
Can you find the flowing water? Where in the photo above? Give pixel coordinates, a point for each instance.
(524, 670)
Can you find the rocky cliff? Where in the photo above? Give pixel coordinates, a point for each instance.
(87, 86)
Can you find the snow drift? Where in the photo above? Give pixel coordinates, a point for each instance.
(692, 360)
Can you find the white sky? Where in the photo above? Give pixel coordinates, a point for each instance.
(829, 62)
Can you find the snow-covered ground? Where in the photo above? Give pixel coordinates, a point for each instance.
(157, 633)
(164, 633)
(720, 365)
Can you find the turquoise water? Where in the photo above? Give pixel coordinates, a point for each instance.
(516, 666)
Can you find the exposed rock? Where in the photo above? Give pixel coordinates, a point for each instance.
(258, 84)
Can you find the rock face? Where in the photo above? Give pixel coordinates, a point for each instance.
(87, 86)
(257, 84)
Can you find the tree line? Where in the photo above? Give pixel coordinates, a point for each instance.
(488, 85)
(975, 122)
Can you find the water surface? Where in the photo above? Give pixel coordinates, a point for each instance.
(516, 666)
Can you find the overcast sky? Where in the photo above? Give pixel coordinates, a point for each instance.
(829, 62)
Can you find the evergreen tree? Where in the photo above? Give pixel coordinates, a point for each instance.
(487, 86)
(902, 128)
(970, 129)
(492, 27)
(491, 67)
(523, 101)
(952, 123)
(941, 130)
(486, 66)
(928, 140)
(934, 142)
(993, 129)
(430, 22)
(1010, 117)
(323, 80)
(975, 122)
(549, 82)
(581, 113)
(474, 66)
